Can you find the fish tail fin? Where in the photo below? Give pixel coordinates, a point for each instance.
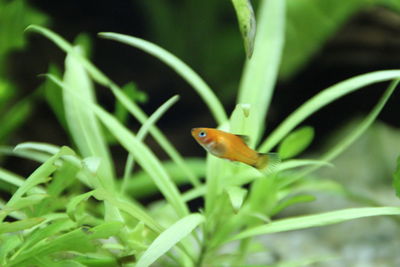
(267, 163)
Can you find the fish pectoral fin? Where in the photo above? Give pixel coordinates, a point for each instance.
(217, 149)
(245, 138)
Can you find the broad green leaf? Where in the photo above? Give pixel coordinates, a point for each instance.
(260, 73)
(322, 99)
(169, 238)
(82, 122)
(247, 23)
(236, 196)
(240, 121)
(296, 142)
(316, 220)
(181, 68)
(9, 227)
(396, 178)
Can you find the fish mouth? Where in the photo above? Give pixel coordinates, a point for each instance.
(194, 131)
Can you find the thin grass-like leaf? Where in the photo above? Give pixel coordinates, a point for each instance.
(135, 110)
(316, 220)
(146, 159)
(68, 48)
(16, 180)
(141, 184)
(8, 227)
(181, 68)
(141, 135)
(23, 202)
(169, 238)
(356, 133)
(142, 153)
(42, 147)
(31, 155)
(130, 208)
(321, 100)
(260, 73)
(296, 163)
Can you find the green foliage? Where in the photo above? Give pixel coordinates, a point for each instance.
(247, 24)
(73, 211)
(15, 16)
(296, 142)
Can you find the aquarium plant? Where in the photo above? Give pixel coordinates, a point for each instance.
(73, 210)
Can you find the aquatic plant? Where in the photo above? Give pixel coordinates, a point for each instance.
(72, 210)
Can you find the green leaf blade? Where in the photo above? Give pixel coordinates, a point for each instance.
(296, 142)
(316, 220)
(181, 68)
(322, 99)
(247, 24)
(82, 122)
(169, 238)
(260, 73)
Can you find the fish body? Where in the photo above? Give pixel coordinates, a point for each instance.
(233, 147)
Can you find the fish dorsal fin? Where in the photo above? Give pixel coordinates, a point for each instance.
(245, 138)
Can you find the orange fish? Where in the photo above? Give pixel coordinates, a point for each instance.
(233, 147)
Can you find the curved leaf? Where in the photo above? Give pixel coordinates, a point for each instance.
(322, 99)
(169, 238)
(181, 68)
(296, 142)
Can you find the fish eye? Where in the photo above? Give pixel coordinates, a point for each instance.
(202, 134)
